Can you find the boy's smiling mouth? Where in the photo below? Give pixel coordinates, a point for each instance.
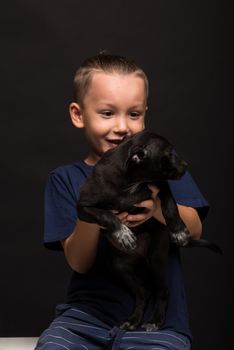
(114, 142)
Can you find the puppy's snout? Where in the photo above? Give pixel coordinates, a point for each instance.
(177, 166)
(181, 168)
(183, 164)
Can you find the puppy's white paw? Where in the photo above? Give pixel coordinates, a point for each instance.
(125, 238)
(150, 327)
(180, 238)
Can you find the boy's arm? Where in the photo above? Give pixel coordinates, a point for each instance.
(80, 247)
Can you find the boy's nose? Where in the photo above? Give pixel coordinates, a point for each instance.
(121, 125)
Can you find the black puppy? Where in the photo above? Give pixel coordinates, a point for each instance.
(118, 181)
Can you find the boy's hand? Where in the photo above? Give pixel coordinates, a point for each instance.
(149, 206)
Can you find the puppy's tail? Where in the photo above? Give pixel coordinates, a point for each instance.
(204, 243)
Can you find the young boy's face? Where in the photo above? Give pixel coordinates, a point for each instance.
(113, 108)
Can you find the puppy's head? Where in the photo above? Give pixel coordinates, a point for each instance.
(152, 157)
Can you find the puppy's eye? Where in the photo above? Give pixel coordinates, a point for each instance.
(139, 155)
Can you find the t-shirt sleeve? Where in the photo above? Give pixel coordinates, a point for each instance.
(60, 210)
(186, 192)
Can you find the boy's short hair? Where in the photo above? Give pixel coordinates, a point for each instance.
(107, 63)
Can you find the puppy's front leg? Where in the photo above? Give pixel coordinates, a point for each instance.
(119, 234)
(178, 230)
(123, 238)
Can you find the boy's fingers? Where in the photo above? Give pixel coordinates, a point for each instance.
(122, 216)
(135, 223)
(114, 211)
(145, 204)
(132, 224)
(153, 189)
(135, 218)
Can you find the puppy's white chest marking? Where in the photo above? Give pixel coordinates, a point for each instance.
(125, 238)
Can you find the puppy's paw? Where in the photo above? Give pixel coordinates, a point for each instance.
(125, 238)
(180, 238)
(150, 327)
(127, 326)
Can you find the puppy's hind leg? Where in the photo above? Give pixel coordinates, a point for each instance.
(135, 285)
(158, 318)
(136, 317)
(158, 259)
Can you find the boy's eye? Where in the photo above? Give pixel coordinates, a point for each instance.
(135, 115)
(107, 113)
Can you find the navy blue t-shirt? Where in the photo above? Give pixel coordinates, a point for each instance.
(98, 291)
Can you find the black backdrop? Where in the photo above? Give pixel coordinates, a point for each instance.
(183, 46)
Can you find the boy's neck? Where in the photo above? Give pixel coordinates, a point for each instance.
(90, 160)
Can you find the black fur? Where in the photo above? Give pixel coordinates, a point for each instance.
(118, 181)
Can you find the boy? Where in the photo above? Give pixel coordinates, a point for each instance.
(110, 104)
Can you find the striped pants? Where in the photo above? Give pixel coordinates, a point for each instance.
(76, 330)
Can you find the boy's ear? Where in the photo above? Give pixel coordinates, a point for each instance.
(76, 115)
